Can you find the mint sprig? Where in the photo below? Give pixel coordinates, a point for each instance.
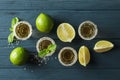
(11, 35)
(44, 52)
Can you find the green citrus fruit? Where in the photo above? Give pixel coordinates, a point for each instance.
(19, 56)
(44, 23)
(65, 32)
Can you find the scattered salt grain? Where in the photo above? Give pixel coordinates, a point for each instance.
(55, 57)
(24, 68)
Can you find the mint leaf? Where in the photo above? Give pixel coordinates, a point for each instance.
(14, 21)
(43, 53)
(11, 29)
(11, 37)
(52, 47)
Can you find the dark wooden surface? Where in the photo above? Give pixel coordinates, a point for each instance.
(105, 13)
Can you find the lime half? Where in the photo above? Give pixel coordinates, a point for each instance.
(65, 32)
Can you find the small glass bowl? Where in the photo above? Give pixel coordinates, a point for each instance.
(65, 55)
(45, 39)
(87, 30)
(19, 26)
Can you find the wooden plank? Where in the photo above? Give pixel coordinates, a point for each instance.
(76, 43)
(59, 74)
(98, 61)
(108, 60)
(107, 21)
(60, 4)
(105, 13)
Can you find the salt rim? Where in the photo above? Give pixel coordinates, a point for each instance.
(42, 39)
(75, 59)
(96, 30)
(24, 22)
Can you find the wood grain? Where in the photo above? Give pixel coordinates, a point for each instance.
(104, 13)
(60, 4)
(58, 74)
(107, 21)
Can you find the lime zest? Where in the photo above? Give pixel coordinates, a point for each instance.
(11, 35)
(44, 52)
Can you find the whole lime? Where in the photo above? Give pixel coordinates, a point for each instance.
(44, 23)
(19, 56)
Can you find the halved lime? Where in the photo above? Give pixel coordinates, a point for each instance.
(65, 32)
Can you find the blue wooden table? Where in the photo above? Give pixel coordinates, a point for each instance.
(105, 13)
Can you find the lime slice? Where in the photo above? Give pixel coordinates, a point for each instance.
(103, 46)
(84, 55)
(65, 32)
